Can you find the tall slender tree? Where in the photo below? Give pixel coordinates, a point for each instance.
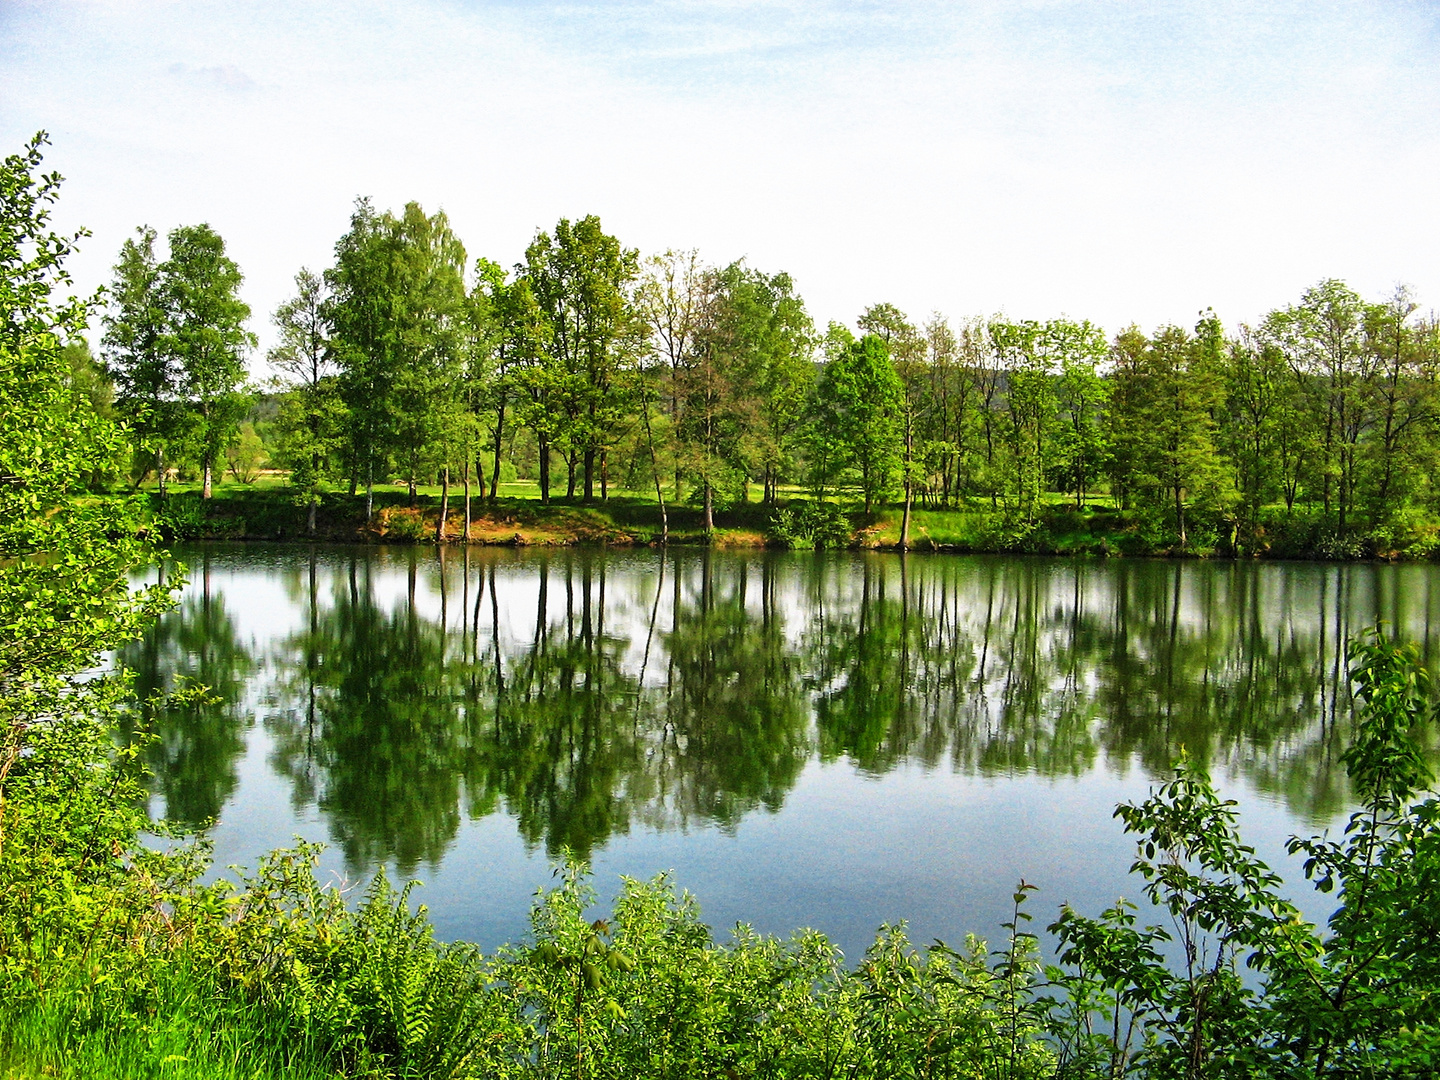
(907, 350)
(205, 332)
(148, 379)
(312, 416)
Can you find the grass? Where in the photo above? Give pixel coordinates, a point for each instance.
(191, 1032)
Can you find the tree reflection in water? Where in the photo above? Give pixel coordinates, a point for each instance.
(588, 693)
(195, 750)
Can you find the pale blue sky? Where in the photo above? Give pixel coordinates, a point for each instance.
(1114, 161)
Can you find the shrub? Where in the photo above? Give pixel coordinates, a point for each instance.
(811, 524)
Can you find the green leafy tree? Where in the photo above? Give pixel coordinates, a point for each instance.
(859, 402)
(246, 455)
(520, 337)
(1257, 382)
(1323, 338)
(367, 340)
(199, 287)
(1405, 404)
(907, 351)
(312, 415)
(772, 333)
(65, 598)
(1082, 396)
(718, 403)
(429, 306)
(671, 301)
(147, 376)
(1183, 393)
(581, 278)
(1029, 418)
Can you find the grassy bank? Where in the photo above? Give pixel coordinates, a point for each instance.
(266, 510)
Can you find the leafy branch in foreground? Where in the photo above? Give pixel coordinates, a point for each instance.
(1357, 998)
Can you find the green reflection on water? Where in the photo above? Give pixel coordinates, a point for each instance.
(588, 693)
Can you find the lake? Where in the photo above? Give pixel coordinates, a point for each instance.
(823, 740)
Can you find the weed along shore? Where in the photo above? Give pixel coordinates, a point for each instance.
(269, 511)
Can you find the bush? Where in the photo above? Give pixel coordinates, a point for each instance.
(399, 524)
(181, 517)
(811, 524)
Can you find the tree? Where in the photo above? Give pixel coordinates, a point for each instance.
(1323, 338)
(246, 454)
(581, 279)
(860, 399)
(430, 312)
(1127, 412)
(147, 376)
(670, 300)
(717, 408)
(1182, 393)
(1029, 409)
(907, 351)
(205, 332)
(366, 338)
(1082, 395)
(312, 417)
(1403, 401)
(773, 341)
(65, 568)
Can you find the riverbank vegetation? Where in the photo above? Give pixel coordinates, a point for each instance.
(121, 958)
(586, 369)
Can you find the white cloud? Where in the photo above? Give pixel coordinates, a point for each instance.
(1114, 161)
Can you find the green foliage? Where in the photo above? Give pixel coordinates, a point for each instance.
(811, 524)
(175, 344)
(246, 454)
(856, 418)
(1354, 1000)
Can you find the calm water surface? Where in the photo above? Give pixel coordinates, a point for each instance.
(804, 740)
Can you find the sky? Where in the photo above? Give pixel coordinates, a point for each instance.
(1118, 161)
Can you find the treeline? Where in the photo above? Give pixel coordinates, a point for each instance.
(587, 368)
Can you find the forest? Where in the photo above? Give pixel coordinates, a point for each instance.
(589, 370)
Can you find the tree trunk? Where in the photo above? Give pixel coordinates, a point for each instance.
(160, 472)
(208, 456)
(709, 510)
(1180, 515)
(905, 520)
(369, 490)
(412, 489)
(655, 468)
(604, 475)
(495, 470)
(544, 470)
(909, 490)
(310, 516)
(465, 535)
(444, 505)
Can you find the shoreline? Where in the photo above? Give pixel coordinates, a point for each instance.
(270, 515)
